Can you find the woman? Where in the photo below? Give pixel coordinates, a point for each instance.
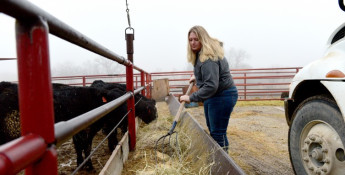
(216, 87)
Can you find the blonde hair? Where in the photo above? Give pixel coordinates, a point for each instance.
(211, 48)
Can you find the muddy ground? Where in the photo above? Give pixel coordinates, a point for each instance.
(257, 137)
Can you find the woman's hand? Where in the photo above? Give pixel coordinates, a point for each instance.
(184, 98)
(192, 79)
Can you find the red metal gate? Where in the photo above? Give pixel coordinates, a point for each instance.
(35, 150)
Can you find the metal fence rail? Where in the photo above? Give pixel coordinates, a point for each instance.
(33, 25)
(252, 84)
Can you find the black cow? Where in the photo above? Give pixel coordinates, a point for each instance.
(145, 109)
(108, 86)
(70, 102)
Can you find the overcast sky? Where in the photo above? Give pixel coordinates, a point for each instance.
(274, 33)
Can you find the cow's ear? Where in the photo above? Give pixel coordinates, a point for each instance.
(104, 94)
(104, 99)
(148, 109)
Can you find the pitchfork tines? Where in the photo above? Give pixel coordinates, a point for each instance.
(169, 135)
(171, 131)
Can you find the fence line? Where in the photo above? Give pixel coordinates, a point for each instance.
(252, 84)
(33, 25)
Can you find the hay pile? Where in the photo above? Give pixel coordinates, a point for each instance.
(176, 158)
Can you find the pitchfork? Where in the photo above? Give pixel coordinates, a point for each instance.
(176, 119)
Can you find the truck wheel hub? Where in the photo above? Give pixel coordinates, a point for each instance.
(319, 146)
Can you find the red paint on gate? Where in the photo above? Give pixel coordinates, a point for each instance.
(20, 153)
(142, 80)
(34, 88)
(130, 106)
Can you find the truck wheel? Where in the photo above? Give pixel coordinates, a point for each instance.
(316, 138)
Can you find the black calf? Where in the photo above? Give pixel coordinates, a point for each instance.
(70, 102)
(145, 110)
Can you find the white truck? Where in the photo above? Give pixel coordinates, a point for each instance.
(315, 112)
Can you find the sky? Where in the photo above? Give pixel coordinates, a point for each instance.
(273, 33)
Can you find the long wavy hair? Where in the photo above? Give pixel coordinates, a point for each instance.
(211, 48)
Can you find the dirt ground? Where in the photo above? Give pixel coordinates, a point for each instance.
(257, 137)
(67, 158)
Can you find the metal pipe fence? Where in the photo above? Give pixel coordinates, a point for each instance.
(33, 25)
(252, 84)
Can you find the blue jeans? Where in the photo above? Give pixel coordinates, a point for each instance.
(217, 112)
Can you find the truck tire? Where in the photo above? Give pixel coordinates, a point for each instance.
(316, 138)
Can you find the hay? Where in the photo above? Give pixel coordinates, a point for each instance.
(260, 103)
(176, 158)
(12, 124)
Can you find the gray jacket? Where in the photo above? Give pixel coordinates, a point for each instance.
(212, 77)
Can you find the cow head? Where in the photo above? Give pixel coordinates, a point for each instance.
(146, 109)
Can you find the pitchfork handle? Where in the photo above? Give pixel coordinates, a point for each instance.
(177, 117)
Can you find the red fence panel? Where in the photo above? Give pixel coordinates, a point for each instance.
(20, 153)
(35, 89)
(252, 84)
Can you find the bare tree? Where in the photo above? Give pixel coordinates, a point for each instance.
(237, 58)
(106, 66)
(65, 69)
(98, 66)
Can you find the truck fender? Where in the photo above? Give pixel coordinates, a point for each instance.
(336, 88)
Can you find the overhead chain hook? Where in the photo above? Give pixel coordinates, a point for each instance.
(128, 17)
(129, 37)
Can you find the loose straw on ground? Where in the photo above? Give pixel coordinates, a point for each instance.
(174, 160)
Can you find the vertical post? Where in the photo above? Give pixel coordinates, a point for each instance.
(142, 80)
(245, 86)
(147, 86)
(84, 81)
(150, 89)
(129, 82)
(35, 89)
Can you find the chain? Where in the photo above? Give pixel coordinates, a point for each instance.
(128, 17)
